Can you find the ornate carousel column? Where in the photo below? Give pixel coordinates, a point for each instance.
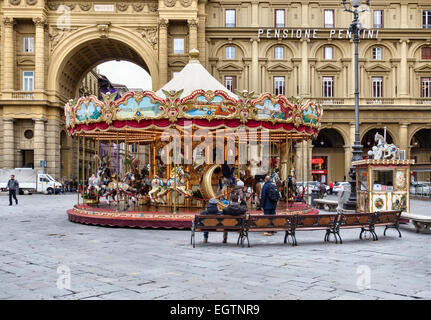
(39, 83)
(163, 50)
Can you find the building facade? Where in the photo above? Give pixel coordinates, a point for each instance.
(301, 48)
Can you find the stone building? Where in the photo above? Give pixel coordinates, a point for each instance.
(295, 48)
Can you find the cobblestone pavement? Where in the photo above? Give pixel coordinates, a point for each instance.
(38, 243)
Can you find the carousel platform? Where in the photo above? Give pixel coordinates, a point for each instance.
(156, 218)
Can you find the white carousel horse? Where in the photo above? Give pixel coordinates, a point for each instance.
(384, 150)
(161, 187)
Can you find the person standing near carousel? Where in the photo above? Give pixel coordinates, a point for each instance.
(12, 187)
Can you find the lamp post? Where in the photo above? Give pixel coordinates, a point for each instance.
(355, 28)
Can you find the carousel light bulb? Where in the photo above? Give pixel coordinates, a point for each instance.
(355, 3)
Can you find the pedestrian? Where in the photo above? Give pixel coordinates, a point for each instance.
(268, 199)
(322, 190)
(259, 186)
(237, 207)
(12, 187)
(331, 187)
(212, 209)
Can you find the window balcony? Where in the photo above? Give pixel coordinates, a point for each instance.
(230, 25)
(329, 100)
(380, 101)
(426, 101)
(427, 26)
(378, 26)
(22, 95)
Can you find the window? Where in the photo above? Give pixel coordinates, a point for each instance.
(230, 52)
(426, 53)
(279, 85)
(230, 17)
(230, 82)
(378, 19)
(328, 86)
(377, 89)
(279, 18)
(329, 18)
(178, 45)
(426, 87)
(28, 81)
(328, 53)
(426, 17)
(377, 53)
(278, 53)
(28, 44)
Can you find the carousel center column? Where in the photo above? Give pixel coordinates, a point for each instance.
(163, 50)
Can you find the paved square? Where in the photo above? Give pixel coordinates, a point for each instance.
(39, 247)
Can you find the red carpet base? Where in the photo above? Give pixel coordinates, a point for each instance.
(158, 218)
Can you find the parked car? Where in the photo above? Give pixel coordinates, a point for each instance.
(420, 188)
(339, 186)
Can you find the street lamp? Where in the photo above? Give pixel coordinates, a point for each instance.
(355, 28)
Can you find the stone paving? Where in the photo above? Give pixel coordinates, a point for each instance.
(41, 251)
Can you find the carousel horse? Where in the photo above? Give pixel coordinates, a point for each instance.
(384, 150)
(161, 187)
(96, 182)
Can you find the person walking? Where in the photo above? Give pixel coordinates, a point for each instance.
(212, 209)
(12, 187)
(268, 199)
(237, 207)
(331, 187)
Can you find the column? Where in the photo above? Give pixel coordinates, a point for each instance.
(403, 71)
(8, 143)
(347, 160)
(404, 16)
(344, 81)
(304, 84)
(312, 82)
(39, 143)
(255, 65)
(193, 33)
(163, 51)
(255, 14)
(39, 77)
(53, 147)
(309, 157)
(304, 15)
(295, 80)
(202, 42)
(404, 139)
(283, 161)
(352, 71)
(8, 54)
(298, 162)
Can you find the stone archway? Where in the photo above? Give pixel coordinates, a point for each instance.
(329, 156)
(87, 47)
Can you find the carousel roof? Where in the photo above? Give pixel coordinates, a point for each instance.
(193, 96)
(194, 77)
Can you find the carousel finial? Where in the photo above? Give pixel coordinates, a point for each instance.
(194, 55)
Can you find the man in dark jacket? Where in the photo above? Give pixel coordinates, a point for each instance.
(212, 209)
(12, 187)
(235, 208)
(266, 204)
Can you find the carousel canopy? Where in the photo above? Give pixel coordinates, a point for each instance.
(195, 97)
(194, 77)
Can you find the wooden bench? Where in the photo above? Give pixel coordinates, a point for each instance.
(422, 223)
(218, 223)
(332, 204)
(311, 222)
(266, 223)
(369, 222)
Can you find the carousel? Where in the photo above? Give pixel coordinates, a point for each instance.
(158, 157)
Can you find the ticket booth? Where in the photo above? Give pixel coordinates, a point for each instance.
(382, 185)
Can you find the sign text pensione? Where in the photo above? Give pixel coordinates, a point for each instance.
(312, 33)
